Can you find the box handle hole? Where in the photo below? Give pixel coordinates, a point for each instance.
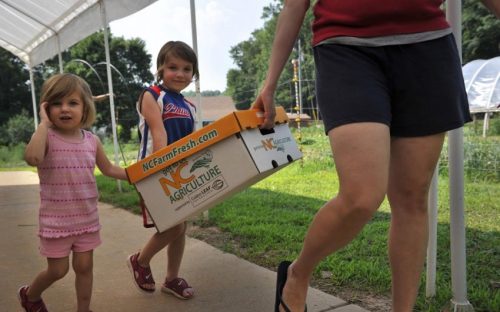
(266, 131)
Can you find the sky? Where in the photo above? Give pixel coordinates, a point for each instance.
(220, 25)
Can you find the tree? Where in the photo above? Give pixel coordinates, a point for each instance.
(202, 93)
(130, 72)
(14, 88)
(251, 58)
(481, 32)
(242, 84)
(16, 130)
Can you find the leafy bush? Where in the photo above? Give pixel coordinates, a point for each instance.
(12, 156)
(481, 156)
(476, 127)
(18, 129)
(494, 126)
(3, 136)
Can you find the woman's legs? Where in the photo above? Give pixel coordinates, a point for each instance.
(412, 165)
(361, 153)
(56, 269)
(83, 267)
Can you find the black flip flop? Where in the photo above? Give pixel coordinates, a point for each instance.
(280, 283)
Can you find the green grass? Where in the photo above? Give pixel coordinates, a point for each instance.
(267, 223)
(269, 220)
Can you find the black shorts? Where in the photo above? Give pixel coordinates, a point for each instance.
(416, 89)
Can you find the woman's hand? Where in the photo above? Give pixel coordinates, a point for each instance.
(265, 103)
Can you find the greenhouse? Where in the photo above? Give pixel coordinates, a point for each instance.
(482, 83)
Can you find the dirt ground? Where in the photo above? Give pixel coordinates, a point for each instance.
(217, 238)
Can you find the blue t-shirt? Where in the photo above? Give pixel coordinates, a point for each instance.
(177, 116)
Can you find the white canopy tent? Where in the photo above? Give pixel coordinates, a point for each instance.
(482, 82)
(37, 30)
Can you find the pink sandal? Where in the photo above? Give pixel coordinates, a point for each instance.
(141, 275)
(176, 287)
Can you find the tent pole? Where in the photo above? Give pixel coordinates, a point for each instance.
(430, 281)
(60, 63)
(199, 115)
(486, 123)
(459, 301)
(299, 68)
(110, 86)
(33, 97)
(59, 55)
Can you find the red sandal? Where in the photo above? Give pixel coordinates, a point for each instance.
(141, 275)
(177, 287)
(29, 306)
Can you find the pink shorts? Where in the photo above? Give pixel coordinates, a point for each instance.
(62, 246)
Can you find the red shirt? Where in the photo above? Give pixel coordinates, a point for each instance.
(375, 18)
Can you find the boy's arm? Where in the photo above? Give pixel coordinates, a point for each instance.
(493, 6)
(37, 146)
(152, 115)
(106, 167)
(101, 97)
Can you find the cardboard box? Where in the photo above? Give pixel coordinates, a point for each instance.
(211, 164)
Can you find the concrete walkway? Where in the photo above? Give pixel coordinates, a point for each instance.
(223, 282)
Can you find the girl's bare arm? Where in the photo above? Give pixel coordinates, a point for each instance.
(37, 146)
(106, 167)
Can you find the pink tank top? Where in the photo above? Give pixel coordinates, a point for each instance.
(68, 191)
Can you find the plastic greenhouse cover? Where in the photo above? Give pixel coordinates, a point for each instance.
(482, 82)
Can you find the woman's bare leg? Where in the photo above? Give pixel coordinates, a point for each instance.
(361, 154)
(413, 161)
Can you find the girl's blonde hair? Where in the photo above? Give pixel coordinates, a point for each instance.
(61, 85)
(177, 49)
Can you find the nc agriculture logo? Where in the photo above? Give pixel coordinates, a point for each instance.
(195, 181)
(273, 143)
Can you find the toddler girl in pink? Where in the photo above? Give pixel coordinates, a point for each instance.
(65, 156)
